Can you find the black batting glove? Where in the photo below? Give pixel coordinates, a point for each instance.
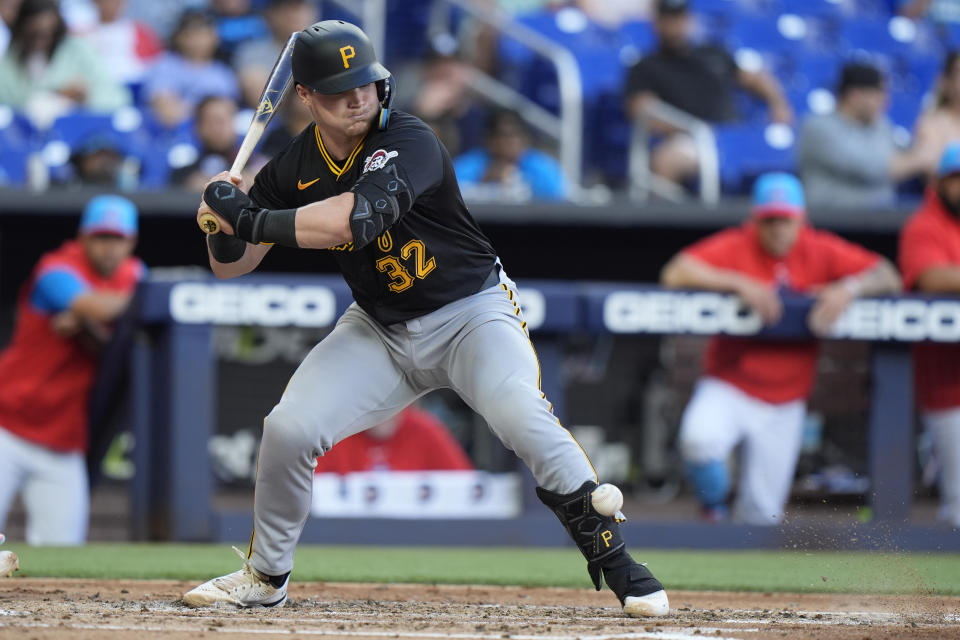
(250, 222)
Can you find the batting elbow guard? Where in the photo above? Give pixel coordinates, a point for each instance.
(598, 537)
(251, 223)
(380, 198)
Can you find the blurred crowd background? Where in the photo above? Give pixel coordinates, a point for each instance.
(674, 98)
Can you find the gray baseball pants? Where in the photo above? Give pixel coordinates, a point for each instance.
(363, 373)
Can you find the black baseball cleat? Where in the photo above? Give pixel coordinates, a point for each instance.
(599, 540)
(639, 592)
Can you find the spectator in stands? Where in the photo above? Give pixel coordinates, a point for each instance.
(237, 23)
(699, 80)
(188, 73)
(930, 260)
(46, 73)
(64, 315)
(130, 46)
(508, 168)
(292, 118)
(753, 391)
(213, 124)
(163, 16)
(848, 158)
(437, 90)
(413, 440)
(98, 160)
(938, 11)
(941, 123)
(613, 13)
(8, 13)
(253, 59)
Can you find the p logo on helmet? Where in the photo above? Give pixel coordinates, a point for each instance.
(333, 56)
(346, 53)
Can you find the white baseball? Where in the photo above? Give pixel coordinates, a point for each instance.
(606, 499)
(8, 563)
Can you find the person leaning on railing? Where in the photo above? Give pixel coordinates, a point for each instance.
(930, 260)
(754, 391)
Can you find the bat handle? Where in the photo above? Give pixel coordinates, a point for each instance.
(209, 223)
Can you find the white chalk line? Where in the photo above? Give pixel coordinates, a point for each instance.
(641, 635)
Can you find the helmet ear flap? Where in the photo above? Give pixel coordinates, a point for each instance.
(386, 90)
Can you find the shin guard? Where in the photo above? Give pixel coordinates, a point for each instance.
(598, 537)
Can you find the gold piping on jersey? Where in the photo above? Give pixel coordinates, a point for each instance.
(334, 168)
(543, 395)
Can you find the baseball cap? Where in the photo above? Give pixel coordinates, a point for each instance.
(778, 194)
(109, 214)
(950, 160)
(672, 6)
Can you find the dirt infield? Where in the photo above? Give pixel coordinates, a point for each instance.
(41, 609)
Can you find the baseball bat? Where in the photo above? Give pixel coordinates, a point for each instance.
(274, 91)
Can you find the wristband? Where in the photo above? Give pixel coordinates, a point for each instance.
(250, 222)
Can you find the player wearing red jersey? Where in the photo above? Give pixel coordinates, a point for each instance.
(413, 440)
(753, 391)
(930, 260)
(48, 368)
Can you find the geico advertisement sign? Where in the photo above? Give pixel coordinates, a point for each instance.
(676, 312)
(268, 305)
(904, 320)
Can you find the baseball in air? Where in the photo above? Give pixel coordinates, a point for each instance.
(606, 499)
(8, 563)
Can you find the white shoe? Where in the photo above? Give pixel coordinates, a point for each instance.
(652, 604)
(244, 588)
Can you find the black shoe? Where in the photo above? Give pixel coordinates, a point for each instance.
(639, 592)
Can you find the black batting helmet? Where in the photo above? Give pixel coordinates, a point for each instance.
(333, 56)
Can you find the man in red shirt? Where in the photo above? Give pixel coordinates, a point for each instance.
(413, 440)
(754, 391)
(63, 314)
(930, 260)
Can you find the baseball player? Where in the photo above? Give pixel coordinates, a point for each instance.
(753, 391)
(63, 317)
(930, 260)
(433, 308)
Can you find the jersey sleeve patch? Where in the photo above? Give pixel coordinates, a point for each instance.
(378, 159)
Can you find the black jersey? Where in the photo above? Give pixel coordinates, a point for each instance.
(434, 254)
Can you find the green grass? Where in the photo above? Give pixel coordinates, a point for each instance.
(742, 571)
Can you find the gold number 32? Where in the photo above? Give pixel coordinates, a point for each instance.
(401, 278)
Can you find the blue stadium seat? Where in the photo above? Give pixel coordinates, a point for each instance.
(729, 9)
(406, 36)
(15, 128)
(825, 9)
(638, 34)
(597, 51)
(904, 109)
(13, 164)
(746, 152)
(812, 71)
(771, 33)
(896, 37)
(607, 137)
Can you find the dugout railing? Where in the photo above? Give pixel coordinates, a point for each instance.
(174, 390)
